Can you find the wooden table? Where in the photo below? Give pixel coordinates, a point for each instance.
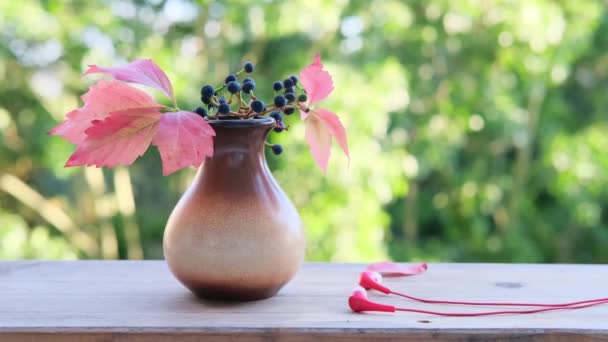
(141, 301)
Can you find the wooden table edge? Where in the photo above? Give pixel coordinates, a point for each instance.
(303, 331)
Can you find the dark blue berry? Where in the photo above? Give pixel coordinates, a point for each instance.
(277, 86)
(290, 91)
(206, 100)
(233, 87)
(257, 106)
(288, 83)
(248, 87)
(230, 78)
(221, 100)
(248, 67)
(276, 115)
(224, 108)
(294, 78)
(290, 97)
(201, 111)
(277, 149)
(207, 91)
(280, 101)
(302, 98)
(248, 79)
(279, 128)
(288, 111)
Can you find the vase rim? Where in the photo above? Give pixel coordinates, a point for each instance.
(230, 123)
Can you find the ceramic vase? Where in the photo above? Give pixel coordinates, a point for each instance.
(234, 234)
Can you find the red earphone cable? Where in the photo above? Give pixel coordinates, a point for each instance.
(473, 314)
(430, 301)
(370, 281)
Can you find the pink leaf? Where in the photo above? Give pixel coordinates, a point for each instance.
(318, 138)
(321, 125)
(335, 127)
(183, 139)
(117, 140)
(316, 81)
(141, 71)
(391, 269)
(103, 98)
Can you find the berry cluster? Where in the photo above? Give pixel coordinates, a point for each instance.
(236, 100)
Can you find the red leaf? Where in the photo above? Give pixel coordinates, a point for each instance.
(118, 140)
(141, 71)
(391, 269)
(318, 138)
(321, 126)
(316, 81)
(183, 139)
(103, 98)
(335, 127)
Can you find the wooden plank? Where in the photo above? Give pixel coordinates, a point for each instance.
(141, 301)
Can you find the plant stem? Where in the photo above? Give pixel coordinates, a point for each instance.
(410, 224)
(524, 155)
(170, 109)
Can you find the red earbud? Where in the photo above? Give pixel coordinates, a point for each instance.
(373, 280)
(358, 302)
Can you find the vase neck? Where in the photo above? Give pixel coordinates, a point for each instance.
(237, 137)
(238, 166)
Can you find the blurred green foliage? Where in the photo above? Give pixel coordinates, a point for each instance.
(477, 128)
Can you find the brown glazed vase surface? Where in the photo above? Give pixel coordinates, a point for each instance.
(234, 234)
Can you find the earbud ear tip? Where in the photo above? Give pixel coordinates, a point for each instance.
(355, 303)
(359, 291)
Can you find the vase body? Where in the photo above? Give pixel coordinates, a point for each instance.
(234, 234)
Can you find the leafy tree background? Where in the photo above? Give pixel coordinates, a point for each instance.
(477, 128)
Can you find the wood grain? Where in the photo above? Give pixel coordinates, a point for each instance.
(141, 301)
